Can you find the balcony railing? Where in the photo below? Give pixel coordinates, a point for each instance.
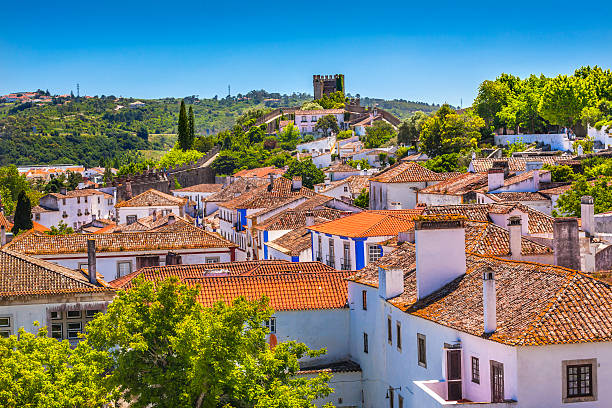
(330, 261)
(345, 264)
(318, 257)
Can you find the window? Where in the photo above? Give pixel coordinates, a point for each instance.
(63, 201)
(212, 259)
(398, 330)
(5, 326)
(345, 189)
(364, 300)
(580, 380)
(74, 329)
(130, 219)
(73, 314)
(83, 265)
(389, 330)
(421, 350)
(124, 268)
(56, 315)
(90, 314)
(78, 200)
(57, 330)
(365, 342)
(475, 370)
(85, 198)
(98, 200)
(374, 253)
(271, 324)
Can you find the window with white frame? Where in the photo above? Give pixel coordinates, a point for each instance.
(124, 268)
(374, 253)
(130, 219)
(271, 324)
(212, 259)
(68, 324)
(6, 326)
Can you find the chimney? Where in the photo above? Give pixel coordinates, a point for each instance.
(440, 252)
(489, 301)
(587, 215)
(395, 206)
(296, 183)
(171, 219)
(2, 236)
(566, 245)
(128, 190)
(405, 236)
(154, 215)
(309, 219)
(390, 282)
(495, 178)
(514, 231)
(63, 190)
(271, 177)
(91, 261)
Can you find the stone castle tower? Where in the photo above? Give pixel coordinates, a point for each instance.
(326, 84)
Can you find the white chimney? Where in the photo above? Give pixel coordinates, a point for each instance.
(587, 215)
(536, 179)
(514, 231)
(395, 206)
(309, 219)
(440, 253)
(489, 301)
(495, 178)
(91, 261)
(390, 282)
(2, 235)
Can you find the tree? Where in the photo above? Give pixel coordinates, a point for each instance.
(311, 106)
(11, 184)
(191, 126)
(334, 100)
(23, 214)
(305, 169)
(226, 163)
(518, 146)
(289, 137)
(378, 134)
(410, 129)
(363, 199)
(143, 133)
(445, 163)
(448, 132)
(73, 179)
(168, 351)
(361, 164)
(177, 157)
(560, 173)
(183, 129)
(61, 229)
(491, 99)
(568, 204)
(39, 371)
(564, 98)
(344, 134)
(327, 124)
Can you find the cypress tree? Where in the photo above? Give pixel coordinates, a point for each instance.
(191, 127)
(183, 128)
(23, 214)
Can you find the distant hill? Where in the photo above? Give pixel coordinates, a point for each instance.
(92, 130)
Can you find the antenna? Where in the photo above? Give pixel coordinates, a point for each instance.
(78, 90)
(229, 93)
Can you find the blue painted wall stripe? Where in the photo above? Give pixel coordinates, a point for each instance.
(265, 239)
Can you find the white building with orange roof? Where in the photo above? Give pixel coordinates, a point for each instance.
(306, 120)
(147, 203)
(73, 208)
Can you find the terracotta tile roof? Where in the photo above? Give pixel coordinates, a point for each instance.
(537, 304)
(39, 227)
(517, 196)
(538, 222)
(202, 188)
(238, 187)
(341, 168)
(268, 196)
(514, 163)
(523, 177)
(459, 185)
(294, 291)
(151, 198)
(260, 267)
(319, 112)
(261, 172)
(336, 367)
(35, 243)
(410, 172)
(355, 184)
(292, 218)
(293, 243)
(38, 209)
(80, 193)
(22, 275)
(371, 223)
(557, 190)
(147, 224)
(416, 157)
(5, 222)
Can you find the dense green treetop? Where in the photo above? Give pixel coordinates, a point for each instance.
(450, 132)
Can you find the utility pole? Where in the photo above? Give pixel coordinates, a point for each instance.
(78, 91)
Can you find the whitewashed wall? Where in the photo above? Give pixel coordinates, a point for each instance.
(557, 141)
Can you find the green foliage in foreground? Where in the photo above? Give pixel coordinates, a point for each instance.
(568, 204)
(168, 351)
(447, 163)
(305, 169)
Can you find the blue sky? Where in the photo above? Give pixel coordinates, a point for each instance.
(431, 51)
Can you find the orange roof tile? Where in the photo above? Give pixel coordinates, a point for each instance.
(202, 188)
(410, 172)
(151, 198)
(371, 223)
(514, 163)
(261, 172)
(459, 185)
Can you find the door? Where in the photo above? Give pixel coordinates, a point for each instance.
(497, 382)
(453, 374)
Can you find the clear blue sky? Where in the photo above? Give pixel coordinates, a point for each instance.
(432, 51)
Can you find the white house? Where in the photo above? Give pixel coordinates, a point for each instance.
(397, 186)
(319, 146)
(306, 120)
(346, 188)
(118, 254)
(457, 190)
(73, 208)
(433, 326)
(197, 194)
(60, 298)
(601, 137)
(515, 164)
(145, 204)
(340, 171)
